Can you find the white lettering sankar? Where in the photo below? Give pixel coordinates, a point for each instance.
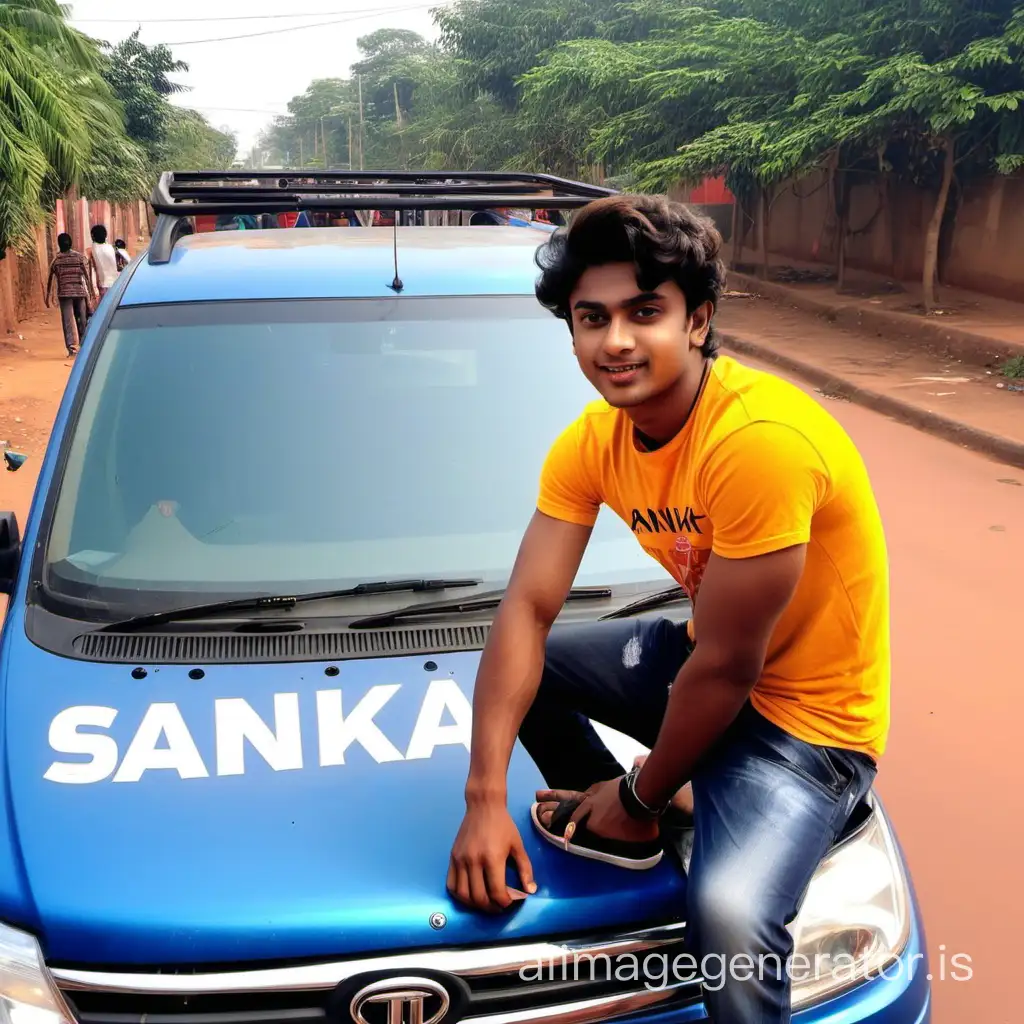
(180, 754)
(236, 721)
(337, 732)
(163, 742)
(65, 737)
(443, 694)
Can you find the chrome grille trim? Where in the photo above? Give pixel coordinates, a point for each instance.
(488, 960)
(589, 1011)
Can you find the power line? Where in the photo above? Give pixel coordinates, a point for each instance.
(231, 17)
(243, 110)
(298, 28)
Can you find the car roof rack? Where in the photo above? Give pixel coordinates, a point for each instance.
(181, 194)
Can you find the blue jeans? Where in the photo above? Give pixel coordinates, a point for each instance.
(767, 806)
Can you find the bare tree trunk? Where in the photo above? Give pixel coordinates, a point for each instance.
(763, 231)
(947, 232)
(841, 204)
(931, 240)
(841, 270)
(737, 242)
(885, 187)
(842, 227)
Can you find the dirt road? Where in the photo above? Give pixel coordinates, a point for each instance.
(34, 369)
(952, 776)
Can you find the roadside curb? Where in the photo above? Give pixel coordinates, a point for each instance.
(995, 446)
(955, 342)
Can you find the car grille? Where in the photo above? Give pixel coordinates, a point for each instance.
(185, 648)
(573, 981)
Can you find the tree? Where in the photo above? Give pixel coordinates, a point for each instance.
(459, 103)
(56, 112)
(356, 120)
(191, 143)
(707, 93)
(395, 64)
(140, 77)
(495, 42)
(953, 103)
(317, 121)
(390, 69)
(766, 91)
(958, 111)
(171, 137)
(490, 45)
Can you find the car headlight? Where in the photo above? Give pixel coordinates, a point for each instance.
(855, 919)
(27, 992)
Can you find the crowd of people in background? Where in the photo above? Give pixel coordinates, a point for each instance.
(82, 281)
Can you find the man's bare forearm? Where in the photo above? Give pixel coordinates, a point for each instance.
(507, 682)
(705, 699)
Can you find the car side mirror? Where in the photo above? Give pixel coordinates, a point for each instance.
(10, 551)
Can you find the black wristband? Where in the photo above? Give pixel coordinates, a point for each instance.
(632, 804)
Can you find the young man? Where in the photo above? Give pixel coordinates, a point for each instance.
(772, 704)
(103, 260)
(74, 283)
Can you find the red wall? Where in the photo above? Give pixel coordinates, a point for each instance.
(711, 192)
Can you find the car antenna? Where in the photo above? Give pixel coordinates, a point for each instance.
(396, 285)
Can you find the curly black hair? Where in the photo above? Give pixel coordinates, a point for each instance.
(663, 239)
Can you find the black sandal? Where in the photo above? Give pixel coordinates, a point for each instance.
(621, 853)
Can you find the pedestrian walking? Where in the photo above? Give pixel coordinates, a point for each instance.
(74, 288)
(124, 257)
(103, 260)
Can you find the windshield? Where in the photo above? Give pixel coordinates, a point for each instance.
(273, 447)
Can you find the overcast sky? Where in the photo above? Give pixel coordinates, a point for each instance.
(242, 83)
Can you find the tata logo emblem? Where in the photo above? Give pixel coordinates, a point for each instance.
(400, 1001)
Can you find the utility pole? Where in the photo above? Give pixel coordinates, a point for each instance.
(362, 135)
(350, 167)
(323, 138)
(398, 109)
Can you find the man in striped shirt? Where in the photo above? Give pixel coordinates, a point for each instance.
(74, 284)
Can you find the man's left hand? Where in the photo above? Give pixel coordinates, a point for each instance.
(605, 816)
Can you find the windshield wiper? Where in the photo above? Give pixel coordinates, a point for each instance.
(200, 611)
(473, 604)
(648, 601)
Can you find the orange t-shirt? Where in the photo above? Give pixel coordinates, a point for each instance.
(758, 467)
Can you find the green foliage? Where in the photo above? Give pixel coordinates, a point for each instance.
(770, 89)
(766, 91)
(1013, 368)
(497, 41)
(118, 172)
(140, 78)
(657, 94)
(55, 108)
(190, 143)
(76, 113)
(459, 102)
(393, 61)
(168, 136)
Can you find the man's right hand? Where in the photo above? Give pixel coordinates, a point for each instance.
(476, 871)
(510, 670)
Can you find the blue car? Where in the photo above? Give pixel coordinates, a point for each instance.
(283, 493)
